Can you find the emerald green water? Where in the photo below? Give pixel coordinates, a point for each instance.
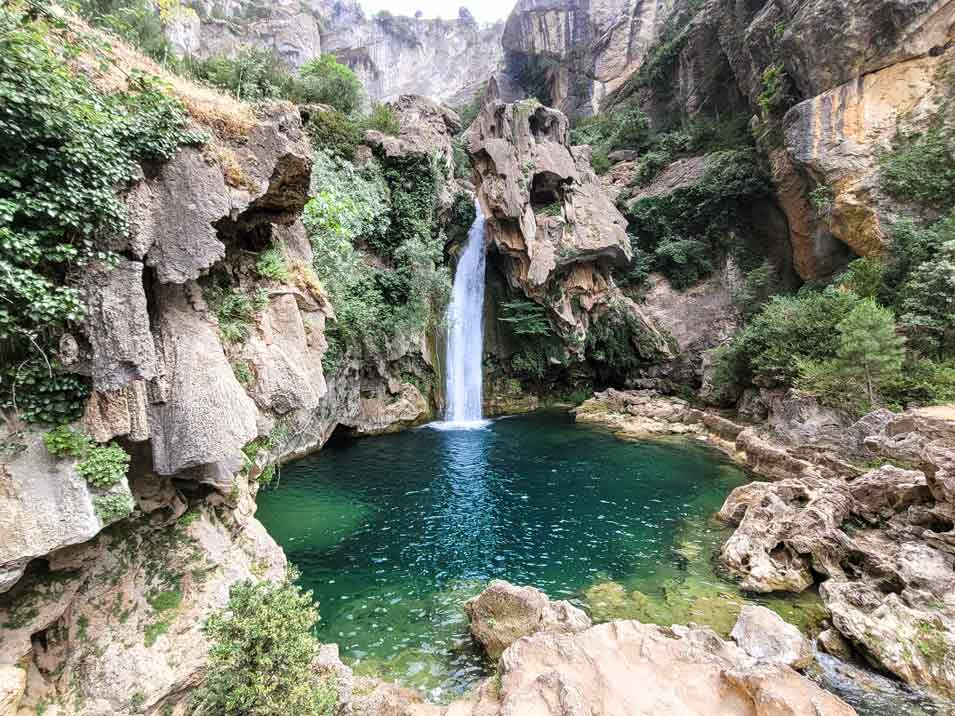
(394, 533)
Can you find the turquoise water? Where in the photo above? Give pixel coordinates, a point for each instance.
(393, 533)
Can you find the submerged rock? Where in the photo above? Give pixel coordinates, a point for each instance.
(503, 613)
(763, 635)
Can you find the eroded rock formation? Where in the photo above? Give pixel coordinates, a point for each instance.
(579, 52)
(549, 223)
(445, 59)
(879, 540)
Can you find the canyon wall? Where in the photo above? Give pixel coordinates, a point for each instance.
(445, 59)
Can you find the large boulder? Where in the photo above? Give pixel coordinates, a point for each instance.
(503, 613)
(626, 668)
(763, 634)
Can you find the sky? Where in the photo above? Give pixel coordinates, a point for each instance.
(483, 10)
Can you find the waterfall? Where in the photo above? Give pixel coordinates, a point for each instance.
(465, 349)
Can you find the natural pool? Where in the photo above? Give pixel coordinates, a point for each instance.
(394, 533)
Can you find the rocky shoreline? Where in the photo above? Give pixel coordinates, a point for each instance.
(866, 514)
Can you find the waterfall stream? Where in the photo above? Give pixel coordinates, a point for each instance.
(465, 347)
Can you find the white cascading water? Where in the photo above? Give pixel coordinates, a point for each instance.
(465, 350)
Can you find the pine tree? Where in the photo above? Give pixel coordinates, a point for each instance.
(869, 350)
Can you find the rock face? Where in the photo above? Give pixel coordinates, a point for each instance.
(553, 233)
(202, 400)
(503, 613)
(580, 51)
(45, 505)
(445, 59)
(13, 681)
(122, 615)
(763, 635)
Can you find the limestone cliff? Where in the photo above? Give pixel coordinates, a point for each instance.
(852, 76)
(446, 59)
(578, 52)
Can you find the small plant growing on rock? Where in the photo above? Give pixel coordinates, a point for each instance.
(64, 441)
(100, 465)
(111, 508)
(104, 465)
(271, 265)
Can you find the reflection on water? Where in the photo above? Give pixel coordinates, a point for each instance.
(394, 533)
(464, 525)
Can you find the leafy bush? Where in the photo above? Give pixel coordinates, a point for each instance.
(135, 21)
(865, 277)
(104, 465)
(326, 81)
(110, 508)
(526, 318)
(261, 653)
(253, 75)
(921, 168)
(271, 265)
(788, 329)
(625, 128)
(868, 356)
(927, 303)
(758, 285)
(41, 393)
(774, 98)
(335, 134)
(391, 211)
(617, 344)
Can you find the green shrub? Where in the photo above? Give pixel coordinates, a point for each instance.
(64, 441)
(383, 119)
(334, 133)
(617, 343)
(135, 21)
(526, 318)
(774, 97)
(921, 168)
(271, 265)
(865, 277)
(104, 465)
(758, 285)
(326, 81)
(110, 508)
(253, 75)
(927, 303)
(683, 229)
(242, 372)
(261, 653)
(868, 356)
(788, 329)
(40, 393)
